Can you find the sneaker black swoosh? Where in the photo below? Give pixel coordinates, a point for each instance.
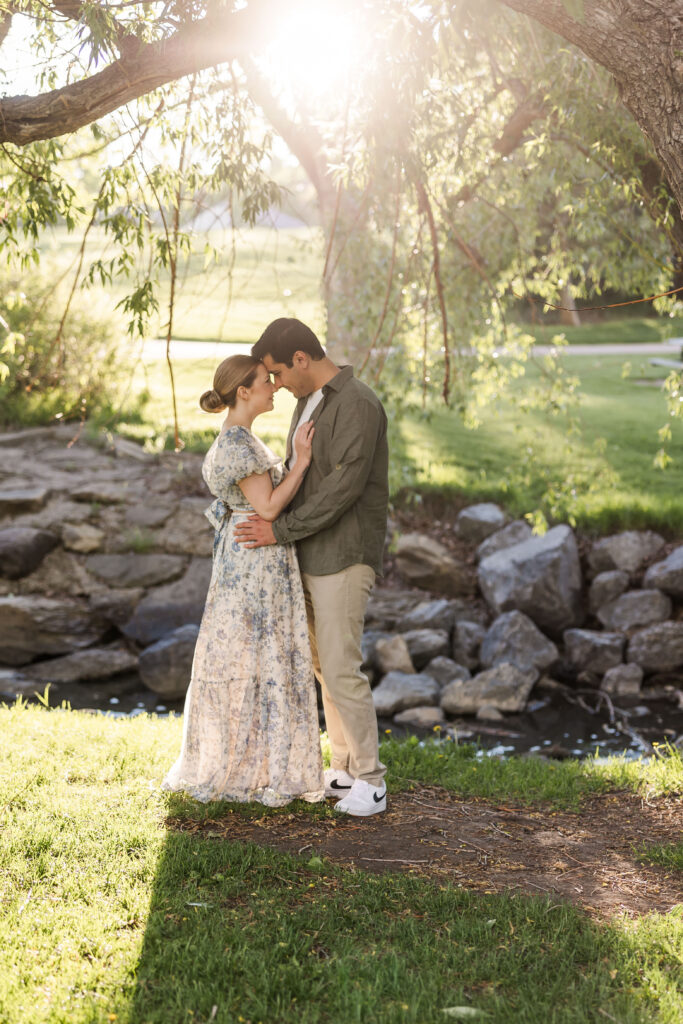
(335, 785)
(378, 799)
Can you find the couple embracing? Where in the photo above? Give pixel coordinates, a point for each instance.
(271, 620)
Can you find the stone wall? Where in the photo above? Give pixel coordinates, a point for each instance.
(105, 559)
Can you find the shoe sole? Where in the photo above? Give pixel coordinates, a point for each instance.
(377, 809)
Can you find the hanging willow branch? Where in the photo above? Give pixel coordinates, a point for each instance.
(390, 278)
(425, 207)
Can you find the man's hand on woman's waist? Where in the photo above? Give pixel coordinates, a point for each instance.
(255, 532)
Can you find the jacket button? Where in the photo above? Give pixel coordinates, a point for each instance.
(338, 466)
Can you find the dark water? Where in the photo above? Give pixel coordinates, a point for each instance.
(551, 725)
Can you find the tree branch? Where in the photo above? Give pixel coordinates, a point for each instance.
(142, 68)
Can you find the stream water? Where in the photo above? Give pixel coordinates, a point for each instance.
(552, 726)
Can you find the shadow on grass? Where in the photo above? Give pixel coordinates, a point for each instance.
(238, 933)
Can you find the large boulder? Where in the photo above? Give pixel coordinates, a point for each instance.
(386, 607)
(635, 608)
(467, 638)
(22, 549)
(424, 562)
(445, 671)
(424, 717)
(590, 651)
(667, 575)
(32, 625)
(514, 638)
(477, 522)
(540, 577)
(82, 666)
(515, 532)
(658, 648)
(399, 691)
(429, 615)
(628, 551)
(132, 570)
(166, 666)
(606, 587)
(175, 604)
(504, 687)
(392, 655)
(14, 500)
(425, 644)
(82, 537)
(188, 531)
(368, 646)
(622, 680)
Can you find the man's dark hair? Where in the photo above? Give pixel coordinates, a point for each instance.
(283, 338)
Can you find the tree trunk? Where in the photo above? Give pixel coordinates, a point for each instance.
(640, 42)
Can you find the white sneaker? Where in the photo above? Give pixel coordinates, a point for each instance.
(337, 782)
(363, 799)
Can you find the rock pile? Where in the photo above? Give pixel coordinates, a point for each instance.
(105, 560)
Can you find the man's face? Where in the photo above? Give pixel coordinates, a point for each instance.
(294, 378)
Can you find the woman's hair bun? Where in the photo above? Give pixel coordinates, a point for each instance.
(211, 401)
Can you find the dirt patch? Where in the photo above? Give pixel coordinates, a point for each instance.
(587, 858)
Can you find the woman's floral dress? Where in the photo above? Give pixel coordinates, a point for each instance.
(251, 720)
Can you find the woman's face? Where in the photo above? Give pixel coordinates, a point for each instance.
(261, 391)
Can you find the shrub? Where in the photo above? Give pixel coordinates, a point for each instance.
(49, 374)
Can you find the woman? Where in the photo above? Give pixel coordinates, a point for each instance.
(251, 718)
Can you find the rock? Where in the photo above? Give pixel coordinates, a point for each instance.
(35, 625)
(515, 532)
(476, 523)
(22, 549)
(465, 610)
(131, 570)
(514, 638)
(425, 644)
(386, 607)
(606, 587)
(421, 717)
(445, 670)
(658, 648)
(150, 515)
(667, 575)
(22, 499)
(489, 713)
(82, 537)
(635, 608)
(116, 606)
(392, 655)
(541, 577)
(173, 605)
(60, 573)
(627, 551)
(505, 687)
(622, 680)
(467, 638)
(368, 646)
(92, 663)
(429, 615)
(166, 666)
(188, 531)
(399, 691)
(124, 448)
(592, 651)
(105, 492)
(425, 563)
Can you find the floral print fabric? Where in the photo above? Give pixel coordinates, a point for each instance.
(250, 730)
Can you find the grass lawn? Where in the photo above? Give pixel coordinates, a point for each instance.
(108, 915)
(605, 477)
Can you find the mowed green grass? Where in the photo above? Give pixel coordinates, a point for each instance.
(108, 914)
(267, 274)
(604, 477)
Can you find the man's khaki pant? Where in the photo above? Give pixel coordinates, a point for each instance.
(335, 605)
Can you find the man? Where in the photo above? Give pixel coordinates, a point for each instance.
(338, 519)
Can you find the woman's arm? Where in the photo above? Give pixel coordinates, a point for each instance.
(269, 501)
